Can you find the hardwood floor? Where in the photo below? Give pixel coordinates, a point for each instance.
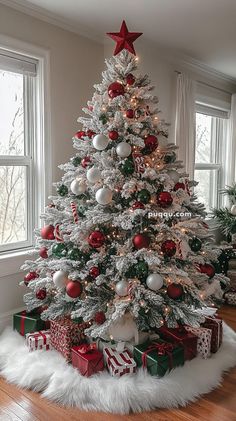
(219, 405)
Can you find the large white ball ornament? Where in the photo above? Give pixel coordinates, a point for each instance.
(233, 210)
(93, 175)
(174, 175)
(59, 278)
(154, 281)
(123, 149)
(104, 196)
(121, 288)
(78, 186)
(100, 142)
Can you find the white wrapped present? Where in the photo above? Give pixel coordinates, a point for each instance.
(204, 340)
(119, 363)
(38, 340)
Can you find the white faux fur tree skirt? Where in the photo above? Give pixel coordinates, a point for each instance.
(48, 373)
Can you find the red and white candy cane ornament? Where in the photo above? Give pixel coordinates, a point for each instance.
(57, 233)
(74, 212)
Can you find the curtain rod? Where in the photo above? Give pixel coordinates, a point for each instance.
(207, 84)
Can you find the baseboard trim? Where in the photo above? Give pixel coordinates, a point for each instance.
(6, 318)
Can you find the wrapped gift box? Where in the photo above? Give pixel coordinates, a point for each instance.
(204, 340)
(25, 322)
(87, 359)
(230, 298)
(65, 334)
(159, 356)
(181, 337)
(38, 340)
(216, 326)
(232, 276)
(119, 363)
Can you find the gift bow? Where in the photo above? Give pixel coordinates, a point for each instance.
(86, 348)
(162, 349)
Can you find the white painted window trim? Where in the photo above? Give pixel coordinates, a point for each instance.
(10, 262)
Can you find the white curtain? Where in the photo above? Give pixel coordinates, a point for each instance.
(230, 176)
(185, 122)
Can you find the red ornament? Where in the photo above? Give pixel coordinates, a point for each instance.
(113, 135)
(168, 248)
(138, 205)
(130, 79)
(41, 294)
(141, 241)
(115, 89)
(124, 39)
(80, 134)
(151, 143)
(96, 239)
(47, 232)
(100, 317)
(90, 133)
(130, 113)
(175, 291)
(43, 252)
(30, 277)
(85, 161)
(94, 272)
(74, 289)
(179, 186)
(208, 269)
(164, 199)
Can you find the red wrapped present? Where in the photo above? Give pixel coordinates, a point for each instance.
(182, 337)
(87, 359)
(65, 334)
(119, 363)
(204, 340)
(38, 340)
(216, 326)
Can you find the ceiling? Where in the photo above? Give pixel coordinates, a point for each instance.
(202, 29)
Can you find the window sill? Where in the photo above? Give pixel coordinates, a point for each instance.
(10, 262)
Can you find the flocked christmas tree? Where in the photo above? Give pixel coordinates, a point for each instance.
(124, 235)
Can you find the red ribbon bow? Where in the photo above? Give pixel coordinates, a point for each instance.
(86, 348)
(162, 349)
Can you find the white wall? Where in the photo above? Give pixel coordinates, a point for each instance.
(75, 65)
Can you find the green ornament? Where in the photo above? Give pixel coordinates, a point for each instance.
(74, 254)
(144, 196)
(59, 250)
(76, 161)
(141, 269)
(103, 118)
(81, 210)
(170, 157)
(195, 244)
(62, 190)
(128, 167)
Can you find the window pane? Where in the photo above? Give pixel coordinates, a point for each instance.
(12, 113)
(203, 138)
(206, 190)
(13, 204)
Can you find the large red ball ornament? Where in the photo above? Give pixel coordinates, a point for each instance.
(164, 199)
(41, 294)
(141, 241)
(151, 143)
(80, 134)
(130, 79)
(96, 239)
(74, 289)
(47, 232)
(138, 205)
(168, 248)
(179, 186)
(30, 277)
(100, 317)
(43, 252)
(175, 291)
(115, 89)
(208, 269)
(94, 272)
(86, 161)
(113, 135)
(130, 113)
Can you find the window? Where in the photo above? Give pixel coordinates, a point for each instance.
(18, 152)
(211, 137)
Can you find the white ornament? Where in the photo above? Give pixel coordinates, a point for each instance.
(233, 210)
(174, 175)
(100, 142)
(123, 149)
(59, 278)
(93, 175)
(78, 186)
(154, 281)
(104, 196)
(121, 288)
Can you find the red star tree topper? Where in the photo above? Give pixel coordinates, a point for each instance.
(124, 39)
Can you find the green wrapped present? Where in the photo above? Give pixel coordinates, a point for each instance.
(158, 357)
(25, 322)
